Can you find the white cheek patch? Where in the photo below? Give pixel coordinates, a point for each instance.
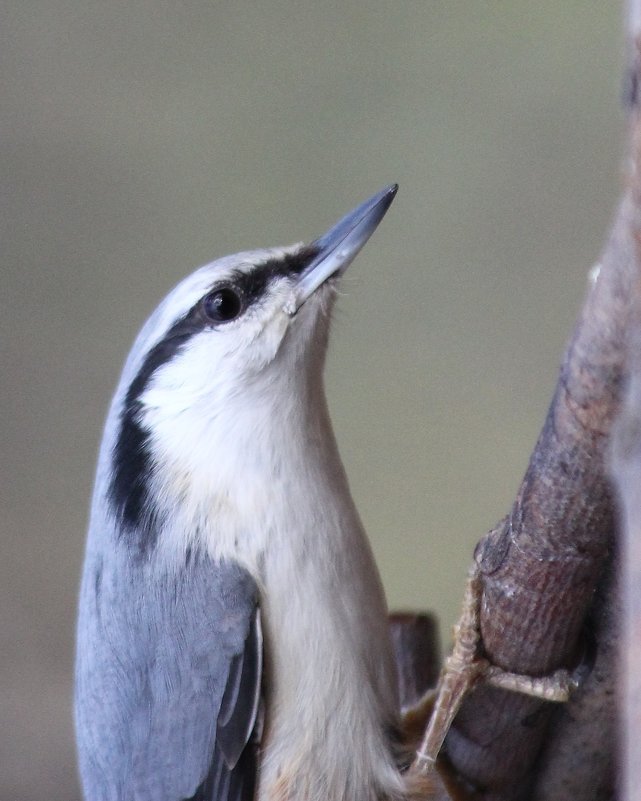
(195, 400)
(270, 339)
(209, 412)
(177, 385)
(265, 327)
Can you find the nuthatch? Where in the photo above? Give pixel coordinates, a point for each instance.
(232, 635)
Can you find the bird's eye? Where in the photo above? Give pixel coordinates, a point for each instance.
(223, 304)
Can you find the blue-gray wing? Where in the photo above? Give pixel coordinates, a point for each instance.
(168, 679)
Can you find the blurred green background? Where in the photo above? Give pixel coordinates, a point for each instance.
(140, 140)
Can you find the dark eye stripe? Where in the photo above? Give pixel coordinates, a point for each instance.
(132, 463)
(255, 281)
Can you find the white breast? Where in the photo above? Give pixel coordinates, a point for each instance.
(260, 482)
(331, 686)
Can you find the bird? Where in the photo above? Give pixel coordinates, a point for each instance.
(232, 637)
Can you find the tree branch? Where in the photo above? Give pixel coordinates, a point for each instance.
(541, 566)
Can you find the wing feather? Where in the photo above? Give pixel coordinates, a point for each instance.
(168, 681)
(239, 705)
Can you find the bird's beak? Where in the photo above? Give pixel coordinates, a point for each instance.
(335, 250)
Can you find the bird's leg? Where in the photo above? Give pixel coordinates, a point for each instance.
(461, 671)
(465, 667)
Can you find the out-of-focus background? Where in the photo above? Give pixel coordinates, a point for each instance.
(140, 140)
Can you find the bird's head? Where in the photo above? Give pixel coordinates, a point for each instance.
(240, 335)
(222, 327)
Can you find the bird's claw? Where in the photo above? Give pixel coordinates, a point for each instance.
(465, 668)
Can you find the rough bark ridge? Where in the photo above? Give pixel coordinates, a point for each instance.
(548, 589)
(626, 464)
(542, 564)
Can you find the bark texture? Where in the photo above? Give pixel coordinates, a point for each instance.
(549, 597)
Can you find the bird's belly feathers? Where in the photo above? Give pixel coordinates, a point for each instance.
(331, 695)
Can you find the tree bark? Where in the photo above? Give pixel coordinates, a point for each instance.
(545, 567)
